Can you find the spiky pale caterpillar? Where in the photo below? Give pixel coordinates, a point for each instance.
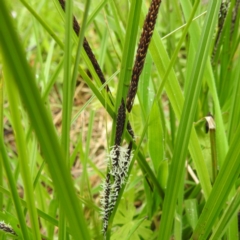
(145, 39)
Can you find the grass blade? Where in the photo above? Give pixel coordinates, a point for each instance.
(182, 140)
(42, 124)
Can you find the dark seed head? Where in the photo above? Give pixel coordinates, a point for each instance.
(145, 39)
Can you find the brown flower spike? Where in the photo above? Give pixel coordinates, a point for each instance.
(146, 35)
(120, 123)
(87, 49)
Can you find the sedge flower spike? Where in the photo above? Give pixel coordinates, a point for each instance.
(118, 171)
(145, 39)
(105, 202)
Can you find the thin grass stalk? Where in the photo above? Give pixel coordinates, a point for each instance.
(235, 107)
(1, 131)
(52, 80)
(210, 127)
(67, 105)
(214, 154)
(42, 22)
(117, 22)
(79, 47)
(13, 189)
(41, 214)
(229, 213)
(223, 185)
(84, 184)
(22, 153)
(95, 12)
(128, 55)
(67, 84)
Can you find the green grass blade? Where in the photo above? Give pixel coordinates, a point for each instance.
(221, 189)
(182, 140)
(79, 47)
(22, 152)
(42, 22)
(191, 212)
(128, 55)
(67, 83)
(230, 212)
(1, 130)
(42, 124)
(94, 13)
(129, 50)
(13, 189)
(155, 137)
(235, 106)
(67, 105)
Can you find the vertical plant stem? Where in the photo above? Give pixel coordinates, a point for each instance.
(79, 47)
(67, 84)
(1, 132)
(67, 104)
(214, 154)
(230, 212)
(13, 190)
(128, 55)
(210, 126)
(23, 158)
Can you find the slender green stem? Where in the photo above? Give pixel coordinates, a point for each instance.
(80, 44)
(13, 189)
(1, 131)
(24, 160)
(214, 154)
(67, 105)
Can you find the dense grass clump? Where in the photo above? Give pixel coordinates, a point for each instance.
(119, 119)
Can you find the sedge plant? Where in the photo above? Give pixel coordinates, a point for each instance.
(103, 110)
